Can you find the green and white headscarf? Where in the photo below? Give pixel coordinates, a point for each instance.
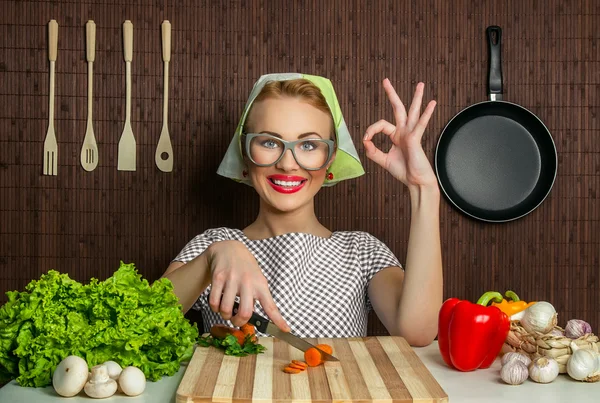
(346, 165)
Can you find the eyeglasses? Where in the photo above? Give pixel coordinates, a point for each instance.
(266, 150)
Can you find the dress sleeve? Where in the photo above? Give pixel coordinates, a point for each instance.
(375, 256)
(198, 244)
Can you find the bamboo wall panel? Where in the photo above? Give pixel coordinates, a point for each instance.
(84, 223)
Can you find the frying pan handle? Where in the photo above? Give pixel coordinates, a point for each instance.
(494, 35)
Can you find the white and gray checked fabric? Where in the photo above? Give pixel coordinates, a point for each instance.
(319, 284)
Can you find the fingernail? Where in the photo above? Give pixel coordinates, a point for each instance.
(366, 137)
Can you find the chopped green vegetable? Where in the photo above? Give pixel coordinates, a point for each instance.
(123, 319)
(231, 345)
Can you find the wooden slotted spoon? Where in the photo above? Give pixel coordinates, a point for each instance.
(89, 149)
(164, 149)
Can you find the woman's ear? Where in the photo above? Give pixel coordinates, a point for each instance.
(329, 175)
(331, 160)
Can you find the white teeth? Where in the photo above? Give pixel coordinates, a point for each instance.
(286, 183)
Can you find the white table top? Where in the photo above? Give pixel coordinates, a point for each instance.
(483, 385)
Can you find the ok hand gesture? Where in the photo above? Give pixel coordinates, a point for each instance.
(405, 160)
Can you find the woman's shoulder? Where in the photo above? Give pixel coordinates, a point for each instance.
(372, 251)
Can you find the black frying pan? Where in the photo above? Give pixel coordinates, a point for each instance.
(495, 160)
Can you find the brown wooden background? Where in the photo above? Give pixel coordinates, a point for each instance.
(84, 223)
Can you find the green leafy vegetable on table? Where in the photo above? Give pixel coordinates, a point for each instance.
(124, 319)
(231, 345)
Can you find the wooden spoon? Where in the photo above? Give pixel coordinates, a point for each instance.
(164, 149)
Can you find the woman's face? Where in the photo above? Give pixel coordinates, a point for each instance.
(286, 186)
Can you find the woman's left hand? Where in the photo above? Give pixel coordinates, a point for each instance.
(405, 160)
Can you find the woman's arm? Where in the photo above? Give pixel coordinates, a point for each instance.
(408, 303)
(189, 279)
(231, 270)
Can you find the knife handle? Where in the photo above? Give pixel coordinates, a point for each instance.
(258, 321)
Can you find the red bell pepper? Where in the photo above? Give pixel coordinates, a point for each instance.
(470, 336)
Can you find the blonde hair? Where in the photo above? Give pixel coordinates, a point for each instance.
(297, 88)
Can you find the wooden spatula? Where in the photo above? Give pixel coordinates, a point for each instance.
(126, 160)
(164, 149)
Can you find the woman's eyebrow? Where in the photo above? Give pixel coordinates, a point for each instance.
(300, 136)
(308, 134)
(271, 133)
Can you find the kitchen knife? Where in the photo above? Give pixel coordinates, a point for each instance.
(264, 325)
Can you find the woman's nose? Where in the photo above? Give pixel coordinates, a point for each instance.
(288, 162)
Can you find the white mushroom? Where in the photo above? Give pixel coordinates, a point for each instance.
(70, 376)
(132, 381)
(100, 385)
(114, 369)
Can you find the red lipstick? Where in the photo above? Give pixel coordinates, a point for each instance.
(286, 178)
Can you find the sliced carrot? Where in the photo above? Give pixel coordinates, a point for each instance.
(325, 347)
(312, 356)
(296, 366)
(249, 329)
(290, 370)
(300, 363)
(220, 331)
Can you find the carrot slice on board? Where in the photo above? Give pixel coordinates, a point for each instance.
(296, 366)
(300, 363)
(291, 370)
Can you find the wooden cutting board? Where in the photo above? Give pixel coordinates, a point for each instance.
(383, 369)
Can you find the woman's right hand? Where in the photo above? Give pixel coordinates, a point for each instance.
(235, 272)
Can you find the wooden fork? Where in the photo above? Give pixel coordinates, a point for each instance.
(50, 146)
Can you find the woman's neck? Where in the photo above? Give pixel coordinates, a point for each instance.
(271, 222)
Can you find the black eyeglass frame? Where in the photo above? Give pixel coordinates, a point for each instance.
(287, 145)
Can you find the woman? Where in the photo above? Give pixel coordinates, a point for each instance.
(291, 141)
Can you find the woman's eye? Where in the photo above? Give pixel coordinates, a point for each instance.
(308, 146)
(269, 144)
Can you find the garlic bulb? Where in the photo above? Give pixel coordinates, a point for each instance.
(514, 372)
(543, 370)
(506, 358)
(577, 328)
(540, 317)
(518, 315)
(556, 332)
(583, 365)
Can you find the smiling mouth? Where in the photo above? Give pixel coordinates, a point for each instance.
(287, 184)
(282, 186)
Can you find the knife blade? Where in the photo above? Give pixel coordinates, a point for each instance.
(264, 325)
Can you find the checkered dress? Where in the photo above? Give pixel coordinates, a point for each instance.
(319, 284)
